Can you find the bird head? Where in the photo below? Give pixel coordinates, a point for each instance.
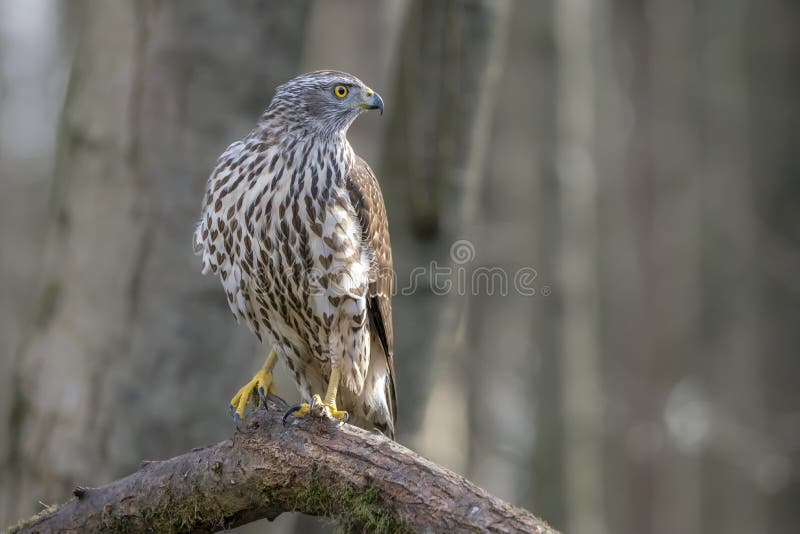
(326, 101)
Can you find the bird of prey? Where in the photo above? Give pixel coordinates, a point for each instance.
(293, 222)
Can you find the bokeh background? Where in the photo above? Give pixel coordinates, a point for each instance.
(638, 159)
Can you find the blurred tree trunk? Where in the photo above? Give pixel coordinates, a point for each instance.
(651, 210)
(508, 367)
(411, 178)
(732, 500)
(33, 46)
(547, 483)
(133, 353)
(580, 352)
(54, 383)
(446, 83)
(772, 45)
(676, 279)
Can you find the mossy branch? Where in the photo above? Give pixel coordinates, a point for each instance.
(363, 480)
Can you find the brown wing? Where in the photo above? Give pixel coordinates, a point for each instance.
(366, 198)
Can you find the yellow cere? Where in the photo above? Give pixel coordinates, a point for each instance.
(340, 91)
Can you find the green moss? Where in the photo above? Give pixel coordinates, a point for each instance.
(354, 511)
(370, 515)
(172, 517)
(31, 520)
(183, 517)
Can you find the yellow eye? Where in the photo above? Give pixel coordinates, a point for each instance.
(340, 91)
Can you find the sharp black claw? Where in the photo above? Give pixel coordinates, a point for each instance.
(262, 397)
(290, 411)
(236, 421)
(346, 416)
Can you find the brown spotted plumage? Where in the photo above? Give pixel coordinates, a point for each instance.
(294, 224)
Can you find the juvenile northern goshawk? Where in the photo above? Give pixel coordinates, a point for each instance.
(294, 224)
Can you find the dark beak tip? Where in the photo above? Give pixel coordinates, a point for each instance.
(376, 102)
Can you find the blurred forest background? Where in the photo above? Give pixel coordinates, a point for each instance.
(641, 156)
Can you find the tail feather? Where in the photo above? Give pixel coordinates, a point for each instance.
(373, 408)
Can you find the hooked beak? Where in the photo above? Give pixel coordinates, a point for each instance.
(373, 101)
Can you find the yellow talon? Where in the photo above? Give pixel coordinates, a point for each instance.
(328, 408)
(302, 410)
(259, 387)
(318, 407)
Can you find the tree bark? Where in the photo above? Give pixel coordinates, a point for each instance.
(362, 479)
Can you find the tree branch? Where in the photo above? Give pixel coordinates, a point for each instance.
(362, 479)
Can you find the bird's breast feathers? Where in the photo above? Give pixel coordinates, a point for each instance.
(279, 229)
